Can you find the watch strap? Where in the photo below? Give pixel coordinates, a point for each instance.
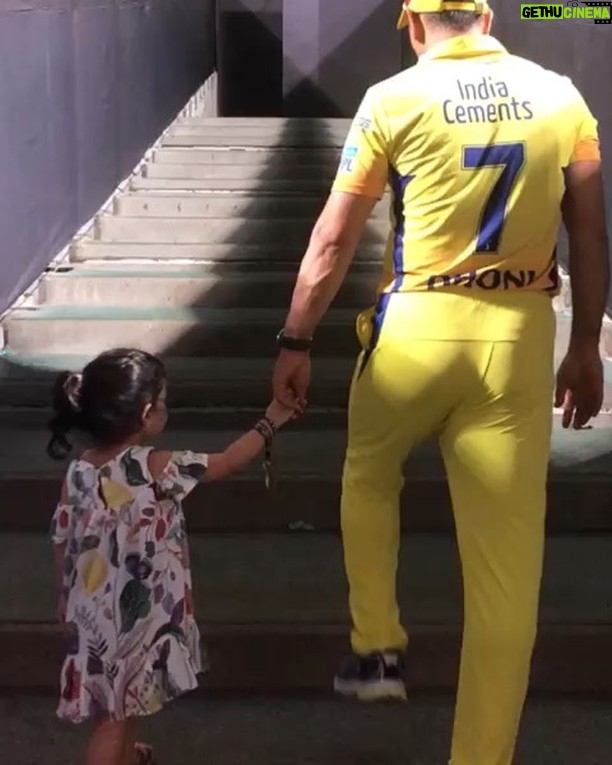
(300, 344)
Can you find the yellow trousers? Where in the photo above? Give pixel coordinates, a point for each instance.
(489, 401)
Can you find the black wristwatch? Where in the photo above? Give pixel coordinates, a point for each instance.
(293, 343)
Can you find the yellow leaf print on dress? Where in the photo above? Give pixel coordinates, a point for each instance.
(115, 494)
(95, 570)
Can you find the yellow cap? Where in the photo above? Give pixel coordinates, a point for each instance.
(436, 6)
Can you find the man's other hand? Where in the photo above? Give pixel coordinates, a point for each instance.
(580, 386)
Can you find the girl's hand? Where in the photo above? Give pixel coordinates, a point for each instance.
(279, 415)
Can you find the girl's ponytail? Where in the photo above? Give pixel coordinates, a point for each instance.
(66, 404)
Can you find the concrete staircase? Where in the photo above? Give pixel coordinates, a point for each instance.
(309, 731)
(196, 262)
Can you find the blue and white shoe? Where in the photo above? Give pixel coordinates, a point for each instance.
(375, 677)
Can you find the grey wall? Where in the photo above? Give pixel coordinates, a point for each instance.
(85, 87)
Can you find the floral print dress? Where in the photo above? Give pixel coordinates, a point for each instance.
(133, 643)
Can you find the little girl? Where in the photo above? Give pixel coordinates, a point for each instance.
(122, 558)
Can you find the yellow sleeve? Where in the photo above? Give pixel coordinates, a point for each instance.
(364, 166)
(586, 145)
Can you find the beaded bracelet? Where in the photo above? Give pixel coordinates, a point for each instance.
(267, 430)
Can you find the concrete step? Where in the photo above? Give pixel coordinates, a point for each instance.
(236, 580)
(205, 418)
(313, 455)
(568, 731)
(246, 606)
(288, 170)
(230, 268)
(288, 659)
(26, 379)
(249, 135)
(308, 460)
(311, 123)
(253, 156)
(264, 128)
(235, 285)
(91, 249)
(256, 138)
(97, 254)
(224, 287)
(222, 231)
(190, 331)
(305, 187)
(167, 331)
(223, 205)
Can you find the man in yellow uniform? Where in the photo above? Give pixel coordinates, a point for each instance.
(484, 152)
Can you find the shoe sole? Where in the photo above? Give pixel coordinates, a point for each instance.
(385, 690)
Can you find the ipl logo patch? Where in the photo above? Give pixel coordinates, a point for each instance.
(348, 158)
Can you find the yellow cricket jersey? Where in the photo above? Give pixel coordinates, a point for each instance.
(473, 142)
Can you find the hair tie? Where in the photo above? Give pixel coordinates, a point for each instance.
(72, 389)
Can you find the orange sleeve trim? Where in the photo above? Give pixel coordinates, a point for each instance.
(587, 149)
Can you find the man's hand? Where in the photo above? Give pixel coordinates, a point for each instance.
(580, 385)
(291, 378)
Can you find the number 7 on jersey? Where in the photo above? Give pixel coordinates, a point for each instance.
(510, 157)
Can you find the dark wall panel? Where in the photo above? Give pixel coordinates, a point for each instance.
(85, 87)
(296, 58)
(302, 94)
(334, 51)
(358, 49)
(250, 57)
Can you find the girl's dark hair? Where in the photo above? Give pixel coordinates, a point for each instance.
(107, 400)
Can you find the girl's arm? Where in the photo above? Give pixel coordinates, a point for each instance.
(239, 453)
(237, 456)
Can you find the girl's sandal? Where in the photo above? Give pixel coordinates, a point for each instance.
(144, 754)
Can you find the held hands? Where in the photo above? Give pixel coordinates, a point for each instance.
(291, 379)
(280, 415)
(580, 385)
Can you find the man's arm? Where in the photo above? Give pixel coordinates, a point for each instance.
(332, 247)
(584, 216)
(360, 181)
(580, 376)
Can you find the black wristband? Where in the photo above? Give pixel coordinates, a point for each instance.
(299, 344)
(270, 424)
(266, 430)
